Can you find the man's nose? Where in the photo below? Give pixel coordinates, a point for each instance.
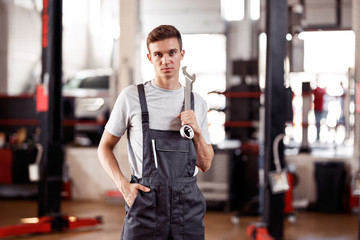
(165, 58)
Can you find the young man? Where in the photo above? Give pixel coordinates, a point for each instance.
(162, 199)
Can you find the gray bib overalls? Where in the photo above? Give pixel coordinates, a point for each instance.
(175, 207)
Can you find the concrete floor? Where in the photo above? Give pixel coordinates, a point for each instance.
(309, 226)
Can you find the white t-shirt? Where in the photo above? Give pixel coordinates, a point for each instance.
(163, 105)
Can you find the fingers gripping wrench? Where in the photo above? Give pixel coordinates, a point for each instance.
(186, 131)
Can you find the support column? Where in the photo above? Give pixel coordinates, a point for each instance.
(276, 28)
(356, 29)
(128, 62)
(51, 115)
(4, 46)
(307, 100)
(129, 44)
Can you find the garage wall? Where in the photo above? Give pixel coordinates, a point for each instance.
(87, 41)
(323, 12)
(189, 16)
(23, 47)
(88, 179)
(319, 13)
(87, 35)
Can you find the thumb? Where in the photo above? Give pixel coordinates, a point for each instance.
(143, 188)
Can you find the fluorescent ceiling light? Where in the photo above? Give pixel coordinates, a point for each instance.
(232, 10)
(254, 9)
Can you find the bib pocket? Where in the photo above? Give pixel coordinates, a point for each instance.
(172, 157)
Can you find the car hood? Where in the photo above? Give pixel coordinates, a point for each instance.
(85, 93)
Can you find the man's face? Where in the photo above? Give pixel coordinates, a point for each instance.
(165, 55)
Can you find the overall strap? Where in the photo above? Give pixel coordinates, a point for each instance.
(143, 104)
(148, 160)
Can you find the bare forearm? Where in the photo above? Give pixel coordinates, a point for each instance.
(108, 160)
(111, 166)
(204, 153)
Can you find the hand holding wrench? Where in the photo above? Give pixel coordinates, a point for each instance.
(186, 131)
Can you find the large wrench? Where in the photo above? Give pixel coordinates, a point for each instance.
(186, 131)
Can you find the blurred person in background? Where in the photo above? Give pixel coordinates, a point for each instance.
(318, 93)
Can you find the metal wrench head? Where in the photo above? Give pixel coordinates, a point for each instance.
(188, 76)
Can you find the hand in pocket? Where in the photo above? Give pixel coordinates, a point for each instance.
(131, 191)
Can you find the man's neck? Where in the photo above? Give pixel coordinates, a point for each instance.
(169, 84)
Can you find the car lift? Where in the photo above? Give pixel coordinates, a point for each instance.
(272, 224)
(49, 107)
(48, 224)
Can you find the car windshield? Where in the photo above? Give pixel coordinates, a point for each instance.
(99, 82)
(96, 82)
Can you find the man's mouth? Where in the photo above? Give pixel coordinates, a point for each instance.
(166, 69)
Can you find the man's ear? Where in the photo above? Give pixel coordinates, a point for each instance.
(182, 54)
(149, 57)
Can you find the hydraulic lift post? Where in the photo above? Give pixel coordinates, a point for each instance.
(276, 29)
(271, 226)
(51, 166)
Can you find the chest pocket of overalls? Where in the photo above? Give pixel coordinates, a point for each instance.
(172, 157)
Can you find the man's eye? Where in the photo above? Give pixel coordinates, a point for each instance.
(172, 53)
(158, 55)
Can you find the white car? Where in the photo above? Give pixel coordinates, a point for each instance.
(90, 88)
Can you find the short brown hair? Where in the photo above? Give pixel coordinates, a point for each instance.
(163, 32)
